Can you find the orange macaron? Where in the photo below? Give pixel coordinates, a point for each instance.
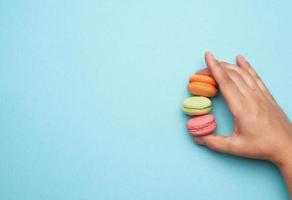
(202, 85)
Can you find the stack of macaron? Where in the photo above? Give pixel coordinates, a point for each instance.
(199, 105)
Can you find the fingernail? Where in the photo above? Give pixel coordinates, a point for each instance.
(208, 52)
(242, 57)
(211, 55)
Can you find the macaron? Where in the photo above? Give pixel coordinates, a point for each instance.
(202, 85)
(201, 125)
(196, 105)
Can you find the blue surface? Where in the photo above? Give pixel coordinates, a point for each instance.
(91, 94)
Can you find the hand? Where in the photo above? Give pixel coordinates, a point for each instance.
(261, 129)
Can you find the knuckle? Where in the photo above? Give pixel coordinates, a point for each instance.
(233, 73)
(255, 75)
(219, 145)
(226, 81)
(224, 64)
(238, 70)
(253, 86)
(215, 146)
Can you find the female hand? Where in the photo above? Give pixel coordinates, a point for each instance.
(261, 129)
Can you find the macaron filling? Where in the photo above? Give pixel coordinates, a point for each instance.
(202, 84)
(197, 108)
(203, 79)
(203, 127)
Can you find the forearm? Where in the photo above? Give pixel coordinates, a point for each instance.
(287, 173)
(286, 170)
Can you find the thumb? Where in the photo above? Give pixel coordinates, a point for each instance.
(217, 143)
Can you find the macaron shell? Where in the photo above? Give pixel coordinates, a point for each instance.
(203, 79)
(205, 131)
(197, 102)
(197, 105)
(201, 125)
(202, 89)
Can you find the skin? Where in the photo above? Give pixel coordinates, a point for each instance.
(265, 132)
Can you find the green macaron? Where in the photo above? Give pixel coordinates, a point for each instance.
(197, 105)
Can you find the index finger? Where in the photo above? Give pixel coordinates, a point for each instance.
(228, 88)
(204, 71)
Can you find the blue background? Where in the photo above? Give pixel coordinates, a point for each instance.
(91, 94)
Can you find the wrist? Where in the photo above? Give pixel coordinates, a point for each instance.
(283, 159)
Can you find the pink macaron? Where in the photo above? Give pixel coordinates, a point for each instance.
(201, 125)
